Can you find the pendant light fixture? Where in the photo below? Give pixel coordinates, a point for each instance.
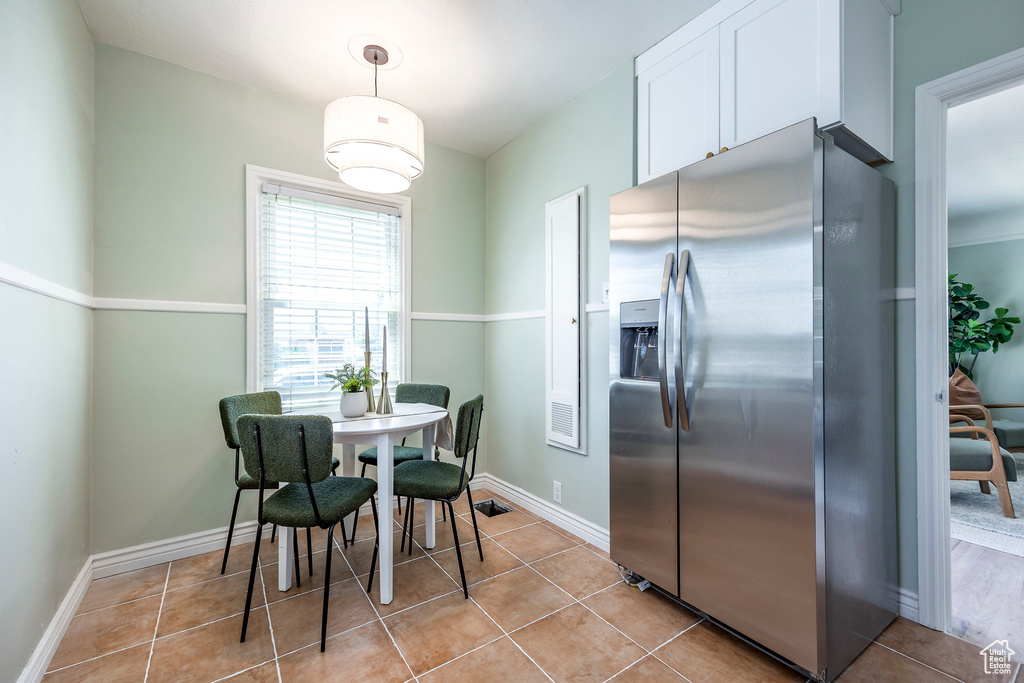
(374, 144)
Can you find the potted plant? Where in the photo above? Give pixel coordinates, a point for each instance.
(968, 334)
(354, 384)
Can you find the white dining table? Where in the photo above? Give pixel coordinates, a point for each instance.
(384, 431)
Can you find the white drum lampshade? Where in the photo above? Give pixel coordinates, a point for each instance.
(374, 144)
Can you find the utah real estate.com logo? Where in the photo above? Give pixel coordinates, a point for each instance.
(997, 658)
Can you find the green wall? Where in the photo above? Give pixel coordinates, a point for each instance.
(588, 141)
(933, 38)
(46, 118)
(171, 149)
(995, 271)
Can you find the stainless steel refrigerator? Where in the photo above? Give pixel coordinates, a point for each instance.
(751, 416)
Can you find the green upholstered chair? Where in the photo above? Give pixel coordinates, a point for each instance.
(981, 459)
(443, 481)
(296, 450)
(232, 408)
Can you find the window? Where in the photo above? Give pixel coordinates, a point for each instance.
(319, 255)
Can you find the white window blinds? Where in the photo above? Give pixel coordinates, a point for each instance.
(323, 259)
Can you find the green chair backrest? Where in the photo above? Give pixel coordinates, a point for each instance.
(467, 425)
(432, 394)
(279, 441)
(234, 407)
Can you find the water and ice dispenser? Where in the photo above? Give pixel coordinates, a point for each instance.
(638, 340)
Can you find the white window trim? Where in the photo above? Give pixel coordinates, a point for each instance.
(255, 176)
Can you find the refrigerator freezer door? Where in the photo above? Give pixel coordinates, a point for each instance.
(644, 531)
(747, 484)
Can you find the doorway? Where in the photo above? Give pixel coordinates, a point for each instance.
(965, 561)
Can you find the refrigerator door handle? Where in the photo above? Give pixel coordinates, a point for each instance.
(667, 397)
(684, 270)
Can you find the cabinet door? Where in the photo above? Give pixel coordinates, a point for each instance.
(677, 108)
(781, 63)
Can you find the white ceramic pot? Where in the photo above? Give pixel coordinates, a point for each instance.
(353, 404)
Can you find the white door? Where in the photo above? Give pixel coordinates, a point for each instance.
(781, 62)
(563, 321)
(677, 108)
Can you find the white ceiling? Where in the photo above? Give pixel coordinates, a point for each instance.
(478, 72)
(985, 155)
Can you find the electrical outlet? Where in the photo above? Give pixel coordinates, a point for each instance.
(605, 294)
(558, 492)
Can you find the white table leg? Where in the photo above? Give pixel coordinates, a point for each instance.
(348, 469)
(428, 505)
(385, 481)
(284, 558)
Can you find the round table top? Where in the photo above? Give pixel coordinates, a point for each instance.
(408, 417)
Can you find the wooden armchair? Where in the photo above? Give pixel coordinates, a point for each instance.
(981, 459)
(1009, 433)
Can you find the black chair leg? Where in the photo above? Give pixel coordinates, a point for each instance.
(344, 539)
(399, 505)
(458, 551)
(295, 556)
(376, 545)
(411, 506)
(252, 578)
(444, 514)
(405, 527)
(327, 587)
(476, 530)
(273, 533)
(309, 548)
(231, 530)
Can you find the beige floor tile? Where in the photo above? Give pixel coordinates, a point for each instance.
(443, 539)
(534, 542)
(126, 666)
(212, 651)
(107, 630)
(496, 561)
(707, 653)
(360, 554)
(206, 567)
(417, 510)
(115, 590)
(414, 582)
(434, 633)
(339, 572)
(296, 621)
(205, 602)
(578, 571)
(647, 617)
(264, 673)
(575, 645)
(362, 654)
(953, 656)
(572, 537)
(498, 661)
(597, 551)
(501, 523)
(648, 670)
(878, 664)
(519, 597)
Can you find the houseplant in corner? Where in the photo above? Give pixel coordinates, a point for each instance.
(968, 334)
(354, 384)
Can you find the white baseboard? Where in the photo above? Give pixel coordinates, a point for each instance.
(908, 605)
(158, 552)
(41, 656)
(558, 516)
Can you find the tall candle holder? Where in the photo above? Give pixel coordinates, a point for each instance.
(370, 407)
(384, 406)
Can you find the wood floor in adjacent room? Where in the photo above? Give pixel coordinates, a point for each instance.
(544, 606)
(988, 595)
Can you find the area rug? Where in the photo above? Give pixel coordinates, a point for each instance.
(977, 518)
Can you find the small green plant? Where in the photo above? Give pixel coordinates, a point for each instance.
(968, 334)
(350, 379)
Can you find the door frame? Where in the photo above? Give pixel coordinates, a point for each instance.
(933, 100)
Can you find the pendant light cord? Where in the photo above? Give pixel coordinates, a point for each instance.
(374, 74)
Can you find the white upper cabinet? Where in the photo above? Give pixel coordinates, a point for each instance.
(677, 107)
(779, 62)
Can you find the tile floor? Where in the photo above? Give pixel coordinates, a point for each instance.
(543, 606)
